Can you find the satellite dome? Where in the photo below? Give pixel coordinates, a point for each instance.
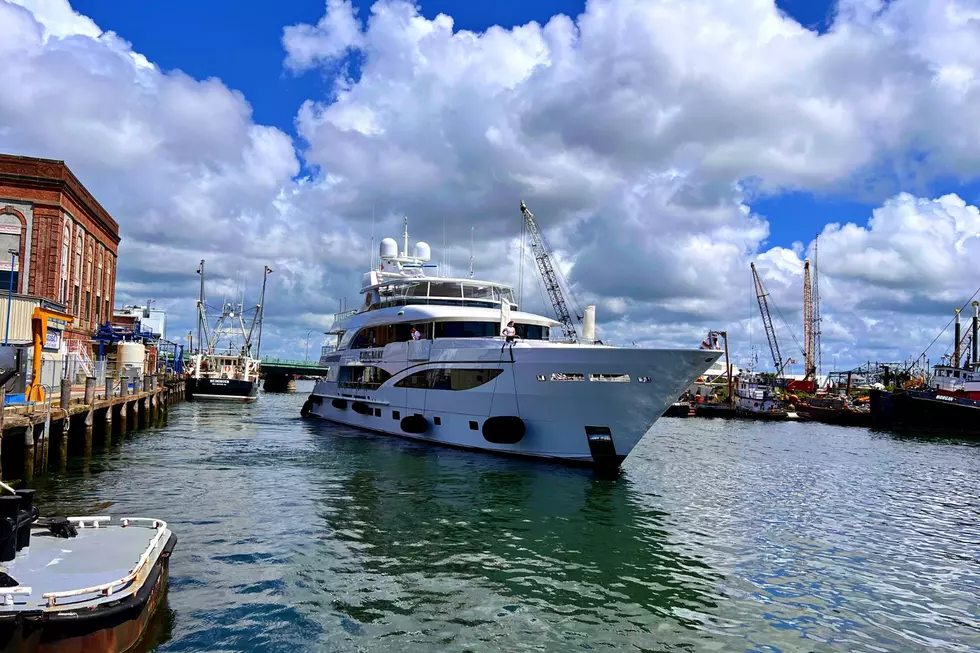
(389, 248)
(423, 251)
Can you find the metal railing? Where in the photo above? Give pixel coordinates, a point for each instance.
(106, 589)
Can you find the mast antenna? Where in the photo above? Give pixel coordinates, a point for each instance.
(471, 252)
(405, 251)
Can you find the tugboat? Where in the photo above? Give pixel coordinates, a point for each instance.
(757, 398)
(77, 583)
(224, 368)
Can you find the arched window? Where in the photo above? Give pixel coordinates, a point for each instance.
(97, 283)
(77, 294)
(89, 256)
(65, 263)
(109, 285)
(10, 229)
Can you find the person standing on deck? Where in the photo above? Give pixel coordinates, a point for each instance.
(415, 333)
(509, 332)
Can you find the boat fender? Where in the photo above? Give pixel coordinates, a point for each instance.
(415, 424)
(305, 410)
(339, 404)
(361, 408)
(503, 429)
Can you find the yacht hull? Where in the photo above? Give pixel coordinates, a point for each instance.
(575, 404)
(222, 390)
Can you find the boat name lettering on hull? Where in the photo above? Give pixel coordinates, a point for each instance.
(372, 355)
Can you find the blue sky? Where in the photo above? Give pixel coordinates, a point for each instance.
(638, 141)
(241, 43)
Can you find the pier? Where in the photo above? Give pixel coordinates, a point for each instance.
(34, 437)
(279, 375)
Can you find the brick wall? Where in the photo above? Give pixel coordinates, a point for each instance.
(56, 196)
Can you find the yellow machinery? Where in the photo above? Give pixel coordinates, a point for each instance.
(40, 320)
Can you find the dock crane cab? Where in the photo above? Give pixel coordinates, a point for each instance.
(44, 316)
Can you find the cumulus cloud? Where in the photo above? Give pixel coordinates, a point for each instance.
(639, 132)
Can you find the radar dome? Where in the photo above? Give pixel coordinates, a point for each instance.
(422, 251)
(389, 248)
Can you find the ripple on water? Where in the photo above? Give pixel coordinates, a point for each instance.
(296, 535)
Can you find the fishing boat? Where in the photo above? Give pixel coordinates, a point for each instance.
(78, 583)
(756, 398)
(949, 401)
(834, 410)
(224, 368)
(423, 358)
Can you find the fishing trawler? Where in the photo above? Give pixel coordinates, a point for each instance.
(224, 369)
(948, 402)
(423, 358)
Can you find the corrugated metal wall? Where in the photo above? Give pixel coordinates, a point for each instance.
(21, 311)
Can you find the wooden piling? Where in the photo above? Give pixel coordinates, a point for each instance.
(90, 390)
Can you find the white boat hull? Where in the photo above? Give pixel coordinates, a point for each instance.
(586, 421)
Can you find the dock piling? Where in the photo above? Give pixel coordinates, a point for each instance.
(109, 387)
(90, 390)
(65, 394)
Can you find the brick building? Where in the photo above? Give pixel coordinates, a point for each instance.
(65, 242)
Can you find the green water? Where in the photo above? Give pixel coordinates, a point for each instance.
(303, 536)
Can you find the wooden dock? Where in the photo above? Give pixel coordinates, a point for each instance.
(34, 435)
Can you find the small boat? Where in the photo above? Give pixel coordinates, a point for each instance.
(715, 409)
(72, 584)
(834, 410)
(678, 409)
(757, 398)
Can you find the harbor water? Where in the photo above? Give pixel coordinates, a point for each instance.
(297, 535)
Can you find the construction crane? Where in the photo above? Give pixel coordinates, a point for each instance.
(815, 313)
(761, 295)
(548, 276)
(809, 351)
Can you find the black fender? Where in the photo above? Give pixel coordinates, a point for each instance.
(415, 424)
(361, 408)
(504, 429)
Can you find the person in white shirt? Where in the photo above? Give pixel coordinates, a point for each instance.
(509, 332)
(415, 333)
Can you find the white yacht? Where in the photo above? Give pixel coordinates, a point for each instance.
(422, 358)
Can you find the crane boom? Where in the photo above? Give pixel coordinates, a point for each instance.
(809, 335)
(761, 294)
(543, 258)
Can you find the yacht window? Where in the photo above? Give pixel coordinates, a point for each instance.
(533, 331)
(507, 294)
(478, 291)
(362, 377)
(403, 331)
(444, 289)
(567, 376)
(448, 379)
(417, 289)
(467, 329)
(610, 378)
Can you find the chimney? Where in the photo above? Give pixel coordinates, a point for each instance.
(956, 341)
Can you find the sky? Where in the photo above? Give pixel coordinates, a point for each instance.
(663, 146)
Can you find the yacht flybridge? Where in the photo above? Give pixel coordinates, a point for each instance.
(423, 358)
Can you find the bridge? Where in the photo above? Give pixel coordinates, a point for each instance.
(279, 374)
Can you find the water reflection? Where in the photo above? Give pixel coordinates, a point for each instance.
(298, 535)
(505, 547)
